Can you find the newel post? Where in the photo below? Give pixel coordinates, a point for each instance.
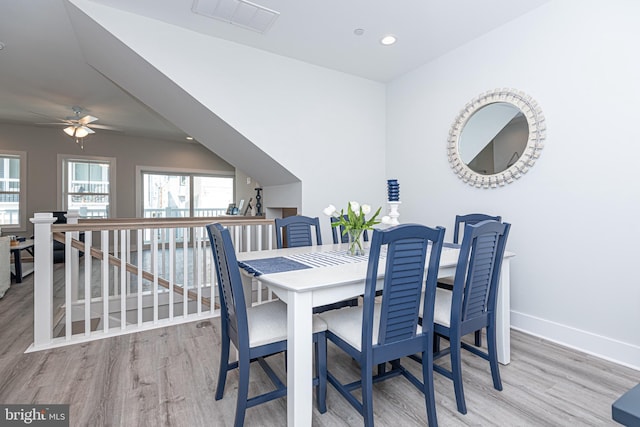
(42, 279)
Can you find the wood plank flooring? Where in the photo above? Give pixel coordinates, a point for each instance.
(167, 377)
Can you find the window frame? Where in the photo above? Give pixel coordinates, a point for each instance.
(141, 170)
(22, 194)
(63, 162)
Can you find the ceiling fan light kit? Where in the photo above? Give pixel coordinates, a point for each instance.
(77, 131)
(78, 127)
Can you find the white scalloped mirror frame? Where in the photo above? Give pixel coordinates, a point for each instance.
(535, 142)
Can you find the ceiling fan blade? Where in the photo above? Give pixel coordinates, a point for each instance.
(86, 120)
(88, 129)
(106, 127)
(60, 123)
(47, 116)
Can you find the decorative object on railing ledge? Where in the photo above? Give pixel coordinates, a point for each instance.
(353, 223)
(392, 218)
(393, 190)
(258, 202)
(393, 197)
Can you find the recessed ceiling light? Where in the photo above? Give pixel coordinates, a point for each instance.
(189, 138)
(388, 40)
(358, 31)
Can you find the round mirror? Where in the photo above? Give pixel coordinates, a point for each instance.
(496, 138)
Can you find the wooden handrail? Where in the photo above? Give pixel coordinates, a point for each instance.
(146, 223)
(115, 261)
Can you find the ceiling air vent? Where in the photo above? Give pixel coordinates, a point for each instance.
(237, 12)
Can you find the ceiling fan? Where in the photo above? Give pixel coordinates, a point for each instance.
(79, 127)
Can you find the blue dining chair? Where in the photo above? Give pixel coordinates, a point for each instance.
(298, 231)
(379, 332)
(461, 221)
(474, 218)
(344, 237)
(471, 305)
(256, 332)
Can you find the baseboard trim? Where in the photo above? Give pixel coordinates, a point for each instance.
(600, 346)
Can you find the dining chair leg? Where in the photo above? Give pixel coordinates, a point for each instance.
(478, 338)
(243, 390)
(456, 372)
(224, 366)
(429, 394)
(321, 371)
(493, 357)
(367, 394)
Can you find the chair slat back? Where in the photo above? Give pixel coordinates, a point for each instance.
(407, 248)
(232, 302)
(297, 231)
(474, 218)
(344, 237)
(478, 270)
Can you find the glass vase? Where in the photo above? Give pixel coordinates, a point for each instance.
(356, 245)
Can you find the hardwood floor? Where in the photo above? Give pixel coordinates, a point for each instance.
(167, 377)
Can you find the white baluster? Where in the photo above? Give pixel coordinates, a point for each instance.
(185, 269)
(68, 285)
(72, 216)
(104, 244)
(172, 262)
(123, 280)
(140, 244)
(154, 260)
(87, 283)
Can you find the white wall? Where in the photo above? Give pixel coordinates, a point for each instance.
(574, 214)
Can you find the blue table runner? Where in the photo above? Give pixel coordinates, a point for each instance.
(279, 264)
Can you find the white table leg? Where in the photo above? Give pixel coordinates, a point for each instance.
(503, 315)
(300, 359)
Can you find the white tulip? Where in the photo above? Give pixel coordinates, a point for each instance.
(355, 207)
(329, 210)
(366, 209)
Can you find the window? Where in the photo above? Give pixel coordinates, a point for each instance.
(185, 194)
(13, 197)
(87, 185)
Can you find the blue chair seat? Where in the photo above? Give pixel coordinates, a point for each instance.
(442, 307)
(346, 324)
(267, 323)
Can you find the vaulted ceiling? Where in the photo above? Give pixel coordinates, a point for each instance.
(43, 72)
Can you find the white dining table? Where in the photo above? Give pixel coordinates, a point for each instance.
(306, 288)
